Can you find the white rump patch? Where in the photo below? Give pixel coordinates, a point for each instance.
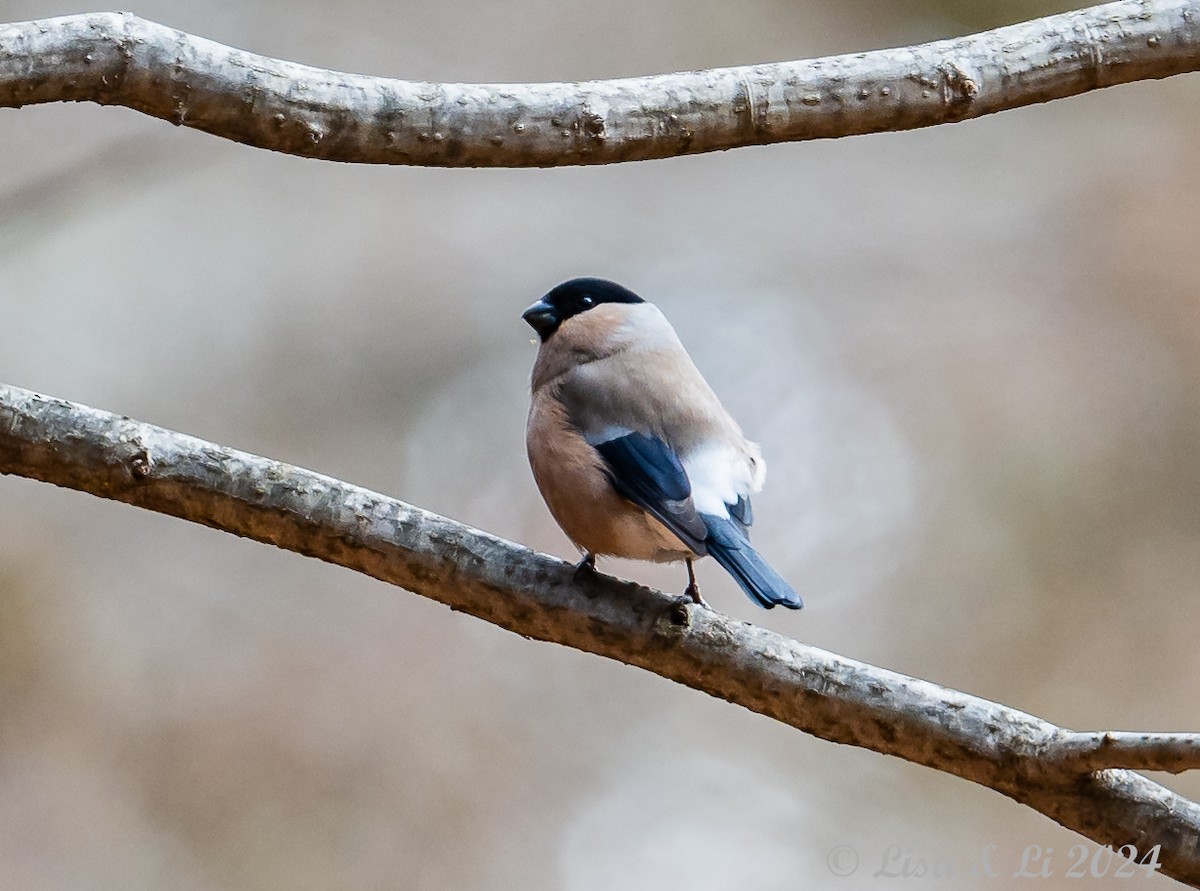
(719, 475)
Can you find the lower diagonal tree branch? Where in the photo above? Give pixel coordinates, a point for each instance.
(1169, 752)
(120, 59)
(1075, 778)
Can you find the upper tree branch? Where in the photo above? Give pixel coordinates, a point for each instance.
(120, 59)
(1055, 771)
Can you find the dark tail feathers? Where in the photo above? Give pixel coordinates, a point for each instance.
(729, 546)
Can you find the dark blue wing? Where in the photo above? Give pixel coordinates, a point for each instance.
(645, 470)
(742, 512)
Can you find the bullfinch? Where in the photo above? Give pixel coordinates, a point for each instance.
(632, 451)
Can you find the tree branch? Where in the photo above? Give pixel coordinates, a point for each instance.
(120, 59)
(1058, 772)
(1170, 752)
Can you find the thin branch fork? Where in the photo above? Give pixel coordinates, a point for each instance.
(1083, 752)
(120, 59)
(1077, 779)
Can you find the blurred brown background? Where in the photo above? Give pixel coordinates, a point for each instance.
(970, 354)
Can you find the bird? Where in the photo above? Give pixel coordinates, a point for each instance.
(630, 448)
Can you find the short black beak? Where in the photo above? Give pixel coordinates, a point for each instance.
(542, 317)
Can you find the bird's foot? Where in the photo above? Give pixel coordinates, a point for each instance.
(693, 589)
(585, 567)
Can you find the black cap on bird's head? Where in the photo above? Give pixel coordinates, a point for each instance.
(570, 299)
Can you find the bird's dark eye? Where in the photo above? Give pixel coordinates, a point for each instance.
(586, 301)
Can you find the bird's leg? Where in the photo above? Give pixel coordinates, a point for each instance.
(693, 589)
(586, 566)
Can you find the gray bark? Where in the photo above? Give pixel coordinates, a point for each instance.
(1081, 780)
(119, 59)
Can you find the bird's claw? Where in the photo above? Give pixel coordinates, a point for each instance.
(693, 588)
(585, 567)
(693, 591)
